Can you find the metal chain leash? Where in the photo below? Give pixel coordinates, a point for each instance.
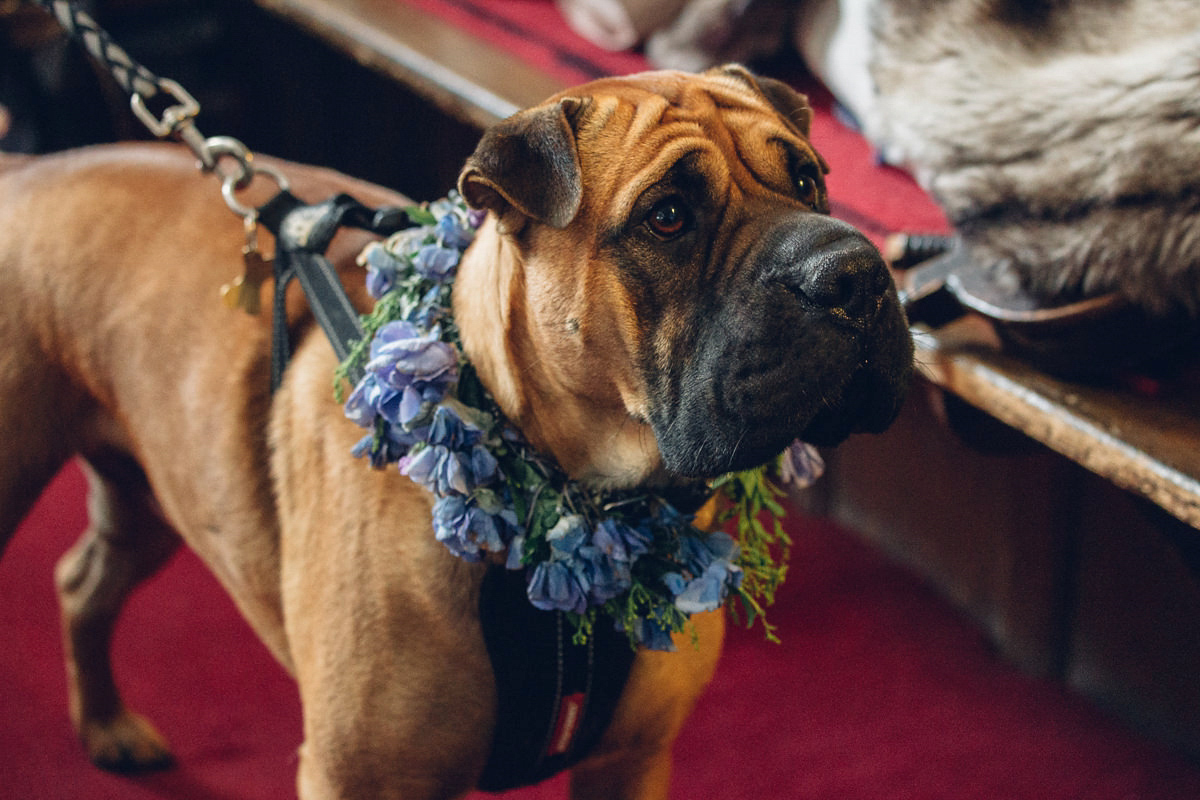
(224, 156)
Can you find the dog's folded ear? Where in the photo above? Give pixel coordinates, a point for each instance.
(528, 164)
(790, 104)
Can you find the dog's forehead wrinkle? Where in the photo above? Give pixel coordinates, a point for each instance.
(648, 115)
(695, 120)
(676, 153)
(753, 154)
(766, 151)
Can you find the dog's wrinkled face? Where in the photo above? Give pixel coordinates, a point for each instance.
(678, 262)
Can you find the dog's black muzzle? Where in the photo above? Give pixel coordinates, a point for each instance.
(806, 340)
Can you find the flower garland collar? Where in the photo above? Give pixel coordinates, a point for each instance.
(629, 555)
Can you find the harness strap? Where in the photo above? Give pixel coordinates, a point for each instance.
(555, 698)
(302, 235)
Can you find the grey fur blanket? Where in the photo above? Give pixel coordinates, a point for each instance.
(1061, 137)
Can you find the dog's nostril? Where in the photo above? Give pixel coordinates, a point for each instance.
(845, 291)
(850, 282)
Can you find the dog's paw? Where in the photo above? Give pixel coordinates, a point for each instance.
(126, 743)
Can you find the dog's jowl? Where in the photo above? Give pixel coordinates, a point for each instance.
(655, 296)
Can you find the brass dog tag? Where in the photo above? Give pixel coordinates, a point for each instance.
(243, 292)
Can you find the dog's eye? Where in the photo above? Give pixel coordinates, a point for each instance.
(808, 189)
(668, 218)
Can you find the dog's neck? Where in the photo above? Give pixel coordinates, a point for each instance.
(591, 440)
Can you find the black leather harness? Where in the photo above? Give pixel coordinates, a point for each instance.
(555, 698)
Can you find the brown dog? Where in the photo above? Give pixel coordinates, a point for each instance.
(655, 294)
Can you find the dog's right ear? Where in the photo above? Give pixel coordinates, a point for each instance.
(528, 164)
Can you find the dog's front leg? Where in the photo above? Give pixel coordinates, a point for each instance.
(398, 714)
(633, 759)
(381, 619)
(395, 682)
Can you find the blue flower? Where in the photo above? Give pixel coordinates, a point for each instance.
(468, 529)
(562, 583)
(801, 465)
(383, 450)
(608, 559)
(696, 551)
(401, 355)
(415, 407)
(368, 400)
(602, 576)
(707, 574)
(621, 542)
(594, 565)
(516, 551)
(454, 459)
(406, 378)
(704, 593)
(382, 269)
(430, 311)
(435, 262)
(450, 430)
(437, 469)
(444, 471)
(567, 536)
(454, 232)
(554, 587)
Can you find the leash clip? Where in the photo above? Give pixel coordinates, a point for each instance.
(174, 117)
(177, 118)
(241, 176)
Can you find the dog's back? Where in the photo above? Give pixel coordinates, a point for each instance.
(89, 335)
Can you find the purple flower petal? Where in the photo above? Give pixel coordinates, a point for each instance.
(801, 466)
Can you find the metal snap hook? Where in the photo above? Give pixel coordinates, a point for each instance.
(234, 182)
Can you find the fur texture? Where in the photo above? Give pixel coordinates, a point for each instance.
(1061, 138)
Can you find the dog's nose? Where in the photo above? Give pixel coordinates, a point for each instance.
(830, 265)
(849, 279)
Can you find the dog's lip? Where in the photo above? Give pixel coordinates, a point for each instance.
(861, 409)
(868, 402)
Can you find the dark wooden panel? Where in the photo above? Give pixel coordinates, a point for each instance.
(464, 76)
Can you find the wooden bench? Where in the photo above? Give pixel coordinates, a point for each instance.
(1053, 554)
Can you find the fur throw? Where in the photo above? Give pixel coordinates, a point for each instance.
(1061, 137)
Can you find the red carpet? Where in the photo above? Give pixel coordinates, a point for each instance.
(878, 691)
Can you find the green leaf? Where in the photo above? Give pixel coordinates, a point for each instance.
(420, 216)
